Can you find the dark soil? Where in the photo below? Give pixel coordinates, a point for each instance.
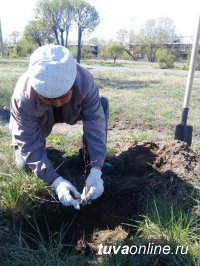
(138, 168)
(175, 158)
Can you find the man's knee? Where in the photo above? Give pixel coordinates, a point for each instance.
(104, 102)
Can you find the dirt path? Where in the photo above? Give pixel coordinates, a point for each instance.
(139, 68)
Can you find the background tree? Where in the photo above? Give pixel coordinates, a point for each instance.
(87, 18)
(14, 37)
(67, 16)
(155, 34)
(50, 13)
(122, 36)
(129, 41)
(115, 51)
(37, 33)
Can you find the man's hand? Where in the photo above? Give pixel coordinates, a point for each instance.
(63, 189)
(93, 186)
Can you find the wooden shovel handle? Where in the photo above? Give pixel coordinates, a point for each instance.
(192, 67)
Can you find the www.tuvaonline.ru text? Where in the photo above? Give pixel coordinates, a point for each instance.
(151, 248)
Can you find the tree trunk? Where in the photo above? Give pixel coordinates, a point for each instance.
(56, 36)
(129, 53)
(151, 54)
(61, 37)
(66, 35)
(79, 45)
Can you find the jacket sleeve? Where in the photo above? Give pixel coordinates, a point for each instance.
(94, 125)
(26, 134)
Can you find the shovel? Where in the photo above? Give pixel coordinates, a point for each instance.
(183, 131)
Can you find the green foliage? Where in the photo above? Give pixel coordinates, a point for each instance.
(18, 51)
(86, 52)
(22, 48)
(20, 190)
(73, 50)
(85, 15)
(38, 33)
(115, 51)
(165, 59)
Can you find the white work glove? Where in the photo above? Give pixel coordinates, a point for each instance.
(63, 189)
(93, 186)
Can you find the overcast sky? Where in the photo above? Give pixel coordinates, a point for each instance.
(114, 15)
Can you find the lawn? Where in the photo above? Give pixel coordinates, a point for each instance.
(139, 208)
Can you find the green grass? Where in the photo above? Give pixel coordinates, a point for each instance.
(143, 107)
(9, 74)
(48, 253)
(148, 101)
(166, 222)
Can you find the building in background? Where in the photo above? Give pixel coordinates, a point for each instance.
(181, 46)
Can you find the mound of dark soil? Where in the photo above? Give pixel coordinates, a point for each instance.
(174, 157)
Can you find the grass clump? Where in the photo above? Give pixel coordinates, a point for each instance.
(21, 192)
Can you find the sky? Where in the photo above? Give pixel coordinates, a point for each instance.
(114, 15)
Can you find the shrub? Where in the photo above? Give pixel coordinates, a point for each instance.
(22, 49)
(73, 50)
(86, 52)
(115, 51)
(165, 59)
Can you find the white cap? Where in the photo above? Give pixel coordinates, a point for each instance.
(52, 70)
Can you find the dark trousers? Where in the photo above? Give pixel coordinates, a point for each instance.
(58, 117)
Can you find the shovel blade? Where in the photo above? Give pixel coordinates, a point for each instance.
(184, 133)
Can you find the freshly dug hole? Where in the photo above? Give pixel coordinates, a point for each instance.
(138, 168)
